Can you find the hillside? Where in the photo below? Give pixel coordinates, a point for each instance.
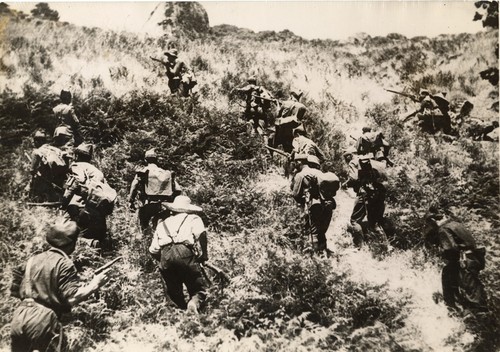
(279, 298)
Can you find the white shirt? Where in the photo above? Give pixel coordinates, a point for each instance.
(178, 228)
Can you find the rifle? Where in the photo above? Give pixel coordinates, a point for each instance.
(44, 204)
(107, 265)
(412, 97)
(407, 117)
(278, 151)
(157, 60)
(219, 273)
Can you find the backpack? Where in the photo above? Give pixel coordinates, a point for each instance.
(371, 142)
(159, 183)
(370, 171)
(328, 184)
(53, 159)
(100, 196)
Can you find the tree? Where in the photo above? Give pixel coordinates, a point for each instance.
(43, 11)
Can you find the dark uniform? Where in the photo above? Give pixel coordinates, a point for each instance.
(179, 74)
(257, 110)
(460, 276)
(179, 244)
(366, 178)
(307, 190)
(290, 116)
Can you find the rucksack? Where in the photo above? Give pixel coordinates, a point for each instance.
(159, 183)
(100, 196)
(371, 142)
(328, 184)
(53, 159)
(371, 171)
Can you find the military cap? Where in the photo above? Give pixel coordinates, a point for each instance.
(85, 149)
(424, 92)
(313, 159)
(62, 233)
(62, 131)
(366, 129)
(349, 151)
(300, 157)
(65, 95)
(252, 79)
(439, 97)
(40, 135)
(171, 52)
(150, 154)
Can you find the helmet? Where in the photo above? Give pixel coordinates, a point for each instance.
(40, 135)
(313, 159)
(85, 149)
(150, 154)
(252, 80)
(62, 131)
(171, 53)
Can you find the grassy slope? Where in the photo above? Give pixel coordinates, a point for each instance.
(279, 299)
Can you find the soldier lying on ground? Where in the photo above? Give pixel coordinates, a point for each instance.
(179, 244)
(48, 286)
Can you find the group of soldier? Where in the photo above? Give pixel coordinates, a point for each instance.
(63, 174)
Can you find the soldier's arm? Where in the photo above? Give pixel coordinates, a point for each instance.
(134, 188)
(85, 291)
(298, 189)
(448, 245)
(200, 238)
(319, 153)
(17, 278)
(179, 65)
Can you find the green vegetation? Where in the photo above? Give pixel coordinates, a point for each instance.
(279, 298)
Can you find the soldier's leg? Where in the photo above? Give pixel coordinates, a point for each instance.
(33, 327)
(450, 281)
(472, 292)
(195, 283)
(171, 268)
(357, 216)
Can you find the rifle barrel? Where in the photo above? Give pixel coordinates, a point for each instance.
(107, 265)
(278, 151)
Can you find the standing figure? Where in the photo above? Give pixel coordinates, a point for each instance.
(179, 244)
(367, 177)
(290, 115)
(180, 75)
(257, 105)
(65, 114)
(88, 199)
(48, 286)
(374, 145)
(315, 191)
(462, 287)
(154, 186)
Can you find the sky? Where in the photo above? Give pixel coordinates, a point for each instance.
(309, 19)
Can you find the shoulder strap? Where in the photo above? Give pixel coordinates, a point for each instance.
(27, 276)
(176, 232)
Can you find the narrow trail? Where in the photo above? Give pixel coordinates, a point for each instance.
(427, 324)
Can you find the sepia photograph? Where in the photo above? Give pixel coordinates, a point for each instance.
(221, 176)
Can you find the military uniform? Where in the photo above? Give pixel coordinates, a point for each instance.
(256, 110)
(47, 177)
(303, 145)
(175, 246)
(179, 74)
(65, 114)
(290, 116)
(318, 202)
(460, 276)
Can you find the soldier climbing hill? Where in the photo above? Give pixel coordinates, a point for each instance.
(88, 199)
(153, 186)
(180, 76)
(65, 114)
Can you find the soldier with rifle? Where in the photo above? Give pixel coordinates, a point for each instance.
(179, 245)
(257, 105)
(48, 286)
(367, 178)
(180, 75)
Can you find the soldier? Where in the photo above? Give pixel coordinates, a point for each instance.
(48, 286)
(66, 116)
(290, 115)
(154, 186)
(63, 139)
(460, 276)
(257, 110)
(303, 145)
(373, 145)
(314, 191)
(48, 170)
(433, 115)
(179, 245)
(180, 75)
(366, 177)
(88, 199)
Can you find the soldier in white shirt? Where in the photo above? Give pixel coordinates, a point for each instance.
(180, 244)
